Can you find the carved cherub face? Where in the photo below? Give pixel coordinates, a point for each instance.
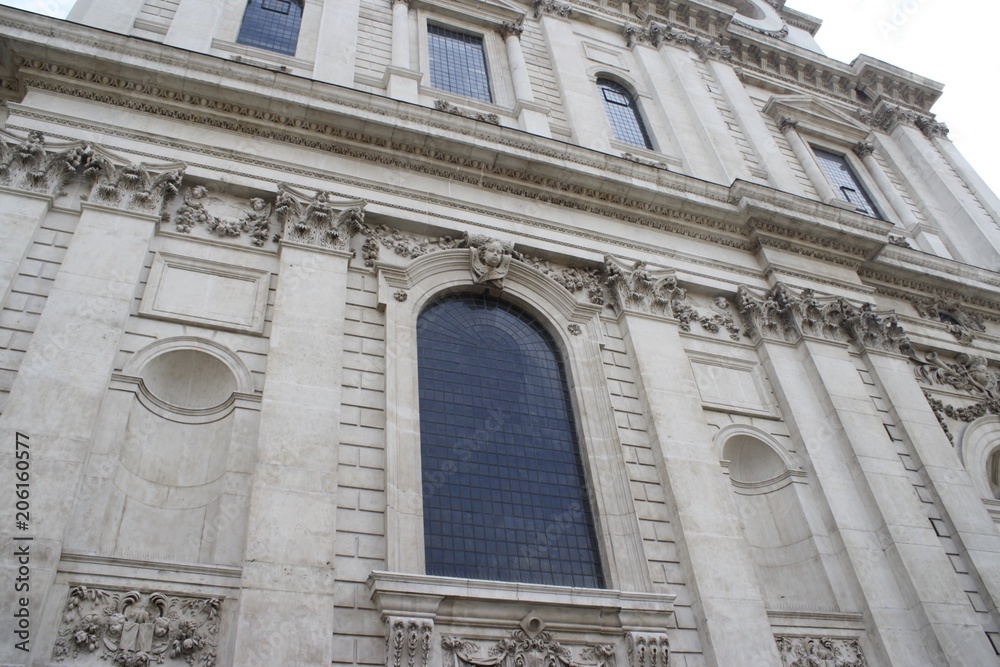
(492, 254)
(199, 192)
(257, 204)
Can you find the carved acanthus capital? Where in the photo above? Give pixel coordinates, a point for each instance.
(768, 315)
(319, 220)
(656, 34)
(863, 149)
(647, 649)
(796, 651)
(887, 116)
(137, 628)
(142, 187)
(510, 29)
(28, 164)
(962, 323)
(489, 259)
(408, 641)
(875, 330)
(932, 128)
(638, 288)
(551, 7)
(787, 124)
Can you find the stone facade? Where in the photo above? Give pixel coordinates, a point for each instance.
(212, 262)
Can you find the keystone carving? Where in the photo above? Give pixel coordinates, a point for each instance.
(820, 652)
(319, 220)
(490, 259)
(521, 649)
(26, 164)
(408, 641)
(137, 629)
(139, 187)
(637, 287)
(647, 649)
(962, 323)
(202, 209)
(784, 315)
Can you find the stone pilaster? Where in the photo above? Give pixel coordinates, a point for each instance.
(287, 598)
(194, 24)
(338, 42)
(865, 150)
(401, 80)
(728, 604)
(64, 376)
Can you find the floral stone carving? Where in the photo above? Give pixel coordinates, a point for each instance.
(136, 629)
(639, 288)
(132, 187)
(319, 220)
(573, 278)
(408, 641)
(28, 165)
(646, 649)
(820, 652)
(521, 649)
(962, 323)
(720, 319)
(221, 218)
(490, 259)
(969, 373)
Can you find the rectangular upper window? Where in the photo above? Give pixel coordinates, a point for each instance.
(846, 183)
(458, 63)
(272, 25)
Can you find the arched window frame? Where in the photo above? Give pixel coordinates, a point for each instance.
(425, 280)
(633, 106)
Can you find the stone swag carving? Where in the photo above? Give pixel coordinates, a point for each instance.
(27, 164)
(820, 652)
(202, 209)
(961, 322)
(525, 648)
(320, 219)
(136, 629)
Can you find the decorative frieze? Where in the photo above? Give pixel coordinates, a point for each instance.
(647, 649)
(408, 641)
(26, 164)
(226, 219)
(319, 220)
(962, 323)
(448, 107)
(522, 648)
(137, 629)
(968, 372)
(820, 652)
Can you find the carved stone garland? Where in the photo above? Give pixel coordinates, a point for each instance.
(521, 649)
(820, 652)
(201, 209)
(136, 629)
(319, 220)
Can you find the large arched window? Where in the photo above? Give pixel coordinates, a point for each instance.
(504, 492)
(272, 25)
(623, 114)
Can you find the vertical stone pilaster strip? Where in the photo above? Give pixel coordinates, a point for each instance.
(808, 160)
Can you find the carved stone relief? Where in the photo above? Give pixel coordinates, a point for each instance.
(820, 652)
(721, 317)
(551, 7)
(132, 187)
(489, 259)
(26, 164)
(448, 107)
(646, 649)
(573, 278)
(523, 648)
(136, 629)
(968, 373)
(656, 34)
(319, 219)
(226, 217)
(408, 641)
(640, 288)
(962, 323)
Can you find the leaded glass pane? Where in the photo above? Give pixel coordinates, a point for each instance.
(272, 25)
(458, 63)
(503, 485)
(845, 182)
(623, 114)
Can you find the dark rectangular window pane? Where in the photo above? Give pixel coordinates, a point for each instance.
(272, 25)
(845, 182)
(458, 63)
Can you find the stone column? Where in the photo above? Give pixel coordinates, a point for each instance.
(808, 161)
(917, 610)
(194, 24)
(287, 597)
(63, 379)
(728, 604)
(531, 117)
(865, 151)
(338, 42)
(401, 80)
(32, 177)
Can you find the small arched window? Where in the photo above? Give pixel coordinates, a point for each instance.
(504, 493)
(272, 25)
(623, 114)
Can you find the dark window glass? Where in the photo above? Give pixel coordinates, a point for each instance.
(503, 486)
(623, 114)
(272, 25)
(458, 63)
(845, 182)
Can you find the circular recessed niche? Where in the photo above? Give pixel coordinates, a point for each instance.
(758, 15)
(189, 379)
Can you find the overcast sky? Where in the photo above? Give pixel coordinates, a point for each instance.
(950, 41)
